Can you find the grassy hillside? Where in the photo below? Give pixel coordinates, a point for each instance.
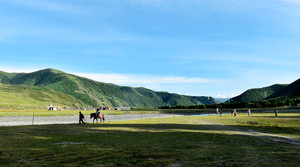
(12, 96)
(258, 94)
(290, 91)
(97, 93)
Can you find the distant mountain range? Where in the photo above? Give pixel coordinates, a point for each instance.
(274, 92)
(62, 86)
(222, 100)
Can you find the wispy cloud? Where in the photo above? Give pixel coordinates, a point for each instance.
(221, 96)
(291, 1)
(57, 6)
(17, 70)
(5, 34)
(245, 58)
(129, 79)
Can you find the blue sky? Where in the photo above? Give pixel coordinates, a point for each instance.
(218, 48)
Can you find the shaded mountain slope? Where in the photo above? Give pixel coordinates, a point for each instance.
(257, 94)
(290, 91)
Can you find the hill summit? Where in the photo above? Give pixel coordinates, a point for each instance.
(95, 93)
(274, 92)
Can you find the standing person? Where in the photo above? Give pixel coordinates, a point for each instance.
(217, 111)
(275, 111)
(249, 112)
(81, 116)
(234, 113)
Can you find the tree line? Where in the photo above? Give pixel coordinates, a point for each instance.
(262, 104)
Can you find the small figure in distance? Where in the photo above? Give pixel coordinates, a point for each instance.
(249, 112)
(217, 111)
(275, 111)
(81, 116)
(234, 113)
(50, 107)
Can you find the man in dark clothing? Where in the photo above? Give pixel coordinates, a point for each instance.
(275, 111)
(81, 116)
(98, 111)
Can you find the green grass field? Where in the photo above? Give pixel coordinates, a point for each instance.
(17, 97)
(261, 140)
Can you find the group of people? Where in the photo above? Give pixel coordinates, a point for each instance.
(81, 116)
(218, 112)
(234, 112)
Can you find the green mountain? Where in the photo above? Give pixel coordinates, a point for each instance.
(30, 96)
(290, 91)
(97, 93)
(257, 94)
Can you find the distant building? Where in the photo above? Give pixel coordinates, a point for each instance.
(122, 108)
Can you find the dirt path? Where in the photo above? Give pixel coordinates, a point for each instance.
(43, 120)
(235, 130)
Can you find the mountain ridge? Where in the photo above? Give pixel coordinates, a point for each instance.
(273, 92)
(98, 93)
(290, 91)
(257, 94)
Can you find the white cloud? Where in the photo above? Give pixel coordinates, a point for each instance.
(17, 70)
(129, 79)
(56, 6)
(291, 1)
(221, 96)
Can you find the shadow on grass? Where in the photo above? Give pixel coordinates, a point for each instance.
(202, 128)
(140, 145)
(278, 116)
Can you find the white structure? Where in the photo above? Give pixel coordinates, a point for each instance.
(122, 108)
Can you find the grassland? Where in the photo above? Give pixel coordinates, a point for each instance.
(177, 141)
(19, 97)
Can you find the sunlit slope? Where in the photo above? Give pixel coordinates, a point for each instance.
(99, 93)
(24, 95)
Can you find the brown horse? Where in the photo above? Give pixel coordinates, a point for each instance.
(94, 115)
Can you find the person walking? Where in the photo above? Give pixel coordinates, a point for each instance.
(275, 111)
(249, 112)
(81, 116)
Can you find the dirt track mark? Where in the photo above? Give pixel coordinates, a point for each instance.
(234, 130)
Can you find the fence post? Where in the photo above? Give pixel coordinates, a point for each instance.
(32, 118)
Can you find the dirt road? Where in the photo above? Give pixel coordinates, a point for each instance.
(43, 120)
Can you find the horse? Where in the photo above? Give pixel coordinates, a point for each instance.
(94, 115)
